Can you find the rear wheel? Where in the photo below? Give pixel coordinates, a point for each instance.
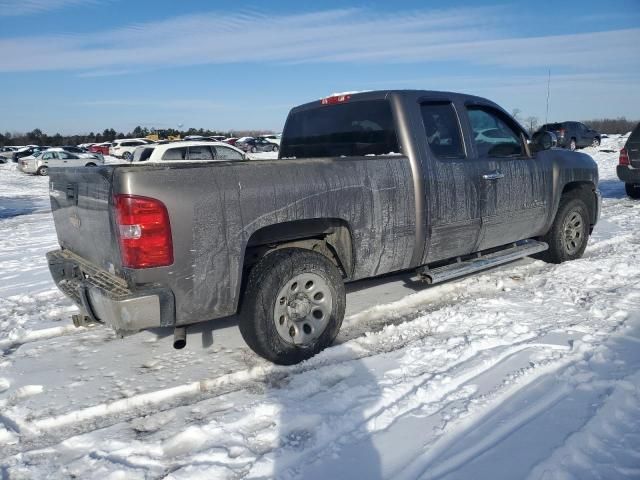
(572, 144)
(127, 156)
(293, 305)
(275, 148)
(596, 142)
(569, 233)
(44, 171)
(254, 149)
(90, 164)
(632, 189)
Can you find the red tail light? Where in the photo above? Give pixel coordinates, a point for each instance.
(335, 99)
(144, 232)
(624, 157)
(561, 132)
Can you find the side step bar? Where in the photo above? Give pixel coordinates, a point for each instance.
(464, 267)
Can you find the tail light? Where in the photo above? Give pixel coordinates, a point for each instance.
(144, 232)
(561, 132)
(335, 99)
(624, 157)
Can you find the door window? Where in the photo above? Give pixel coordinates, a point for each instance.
(493, 136)
(175, 154)
(442, 130)
(202, 152)
(224, 153)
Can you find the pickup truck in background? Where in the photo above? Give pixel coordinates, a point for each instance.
(366, 184)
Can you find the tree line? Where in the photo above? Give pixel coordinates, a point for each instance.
(38, 137)
(603, 125)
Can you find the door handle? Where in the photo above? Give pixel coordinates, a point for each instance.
(493, 176)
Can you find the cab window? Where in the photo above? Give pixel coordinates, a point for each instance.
(493, 135)
(442, 129)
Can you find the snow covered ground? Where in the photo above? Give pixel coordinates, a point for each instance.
(529, 370)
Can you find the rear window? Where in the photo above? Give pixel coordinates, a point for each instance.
(349, 129)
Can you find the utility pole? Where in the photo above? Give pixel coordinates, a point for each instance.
(546, 115)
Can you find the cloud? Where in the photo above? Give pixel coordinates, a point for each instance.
(472, 35)
(13, 8)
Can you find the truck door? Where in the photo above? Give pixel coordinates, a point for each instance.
(451, 182)
(515, 186)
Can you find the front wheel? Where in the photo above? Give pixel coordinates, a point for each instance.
(293, 305)
(43, 171)
(254, 149)
(275, 148)
(569, 232)
(632, 189)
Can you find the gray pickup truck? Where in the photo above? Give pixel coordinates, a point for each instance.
(366, 184)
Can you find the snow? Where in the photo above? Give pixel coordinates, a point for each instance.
(528, 370)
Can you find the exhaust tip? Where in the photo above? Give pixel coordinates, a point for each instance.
(179, 338)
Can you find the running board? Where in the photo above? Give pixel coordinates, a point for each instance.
(482, 262)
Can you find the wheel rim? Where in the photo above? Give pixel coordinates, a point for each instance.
(572, 145)
(44, 171)
(303, 308)
(596, 142)
(573, 229)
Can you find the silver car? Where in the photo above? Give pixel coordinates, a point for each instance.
(41, 162)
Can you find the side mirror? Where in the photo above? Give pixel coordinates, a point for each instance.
(544, 141)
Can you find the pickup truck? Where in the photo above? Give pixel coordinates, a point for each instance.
(366, 184)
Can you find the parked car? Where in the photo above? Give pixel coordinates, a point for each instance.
(628, 169)
(573, 135)
(81, 153)
(102, 148)
(273, 138)
(187, 152)
(253, 145)
(73, 149)
(124, 148)
(41, 162)
(359, 191)
(6, 153)
(26, 151)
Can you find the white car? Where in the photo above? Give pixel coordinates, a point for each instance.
(40, 162)
(187, 152)
(78, 153)
(125, 147)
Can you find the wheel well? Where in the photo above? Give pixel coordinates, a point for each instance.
(330, 237)
(584, 191)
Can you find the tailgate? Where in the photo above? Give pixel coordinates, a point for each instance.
(80, 201)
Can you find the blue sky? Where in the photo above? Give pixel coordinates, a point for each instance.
(74, 66)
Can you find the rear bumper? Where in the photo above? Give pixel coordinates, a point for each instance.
(628, 174)
(107, 299)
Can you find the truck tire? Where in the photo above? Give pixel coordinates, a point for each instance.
(569, 233)
(293, 305)
(632, 189)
